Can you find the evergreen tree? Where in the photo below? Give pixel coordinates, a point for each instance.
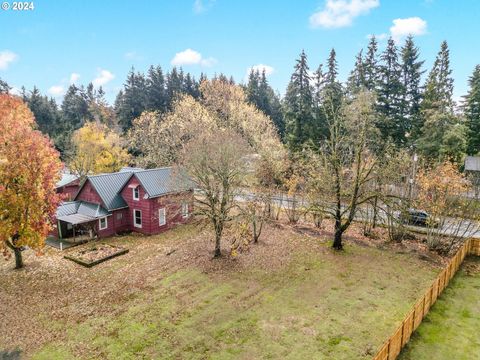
(439, 85)
(441, 128)
(252, 88)
(443, 137)
(390, 97)
(74, 108)
(174, 85)
(356, 81)
(4, 87)
(371, 70)
(156, 91)
(260, 93)
(319, 119)
(45, 111)
(472, 112)
(332, 95)
(298, 106)
(411, 76)
(133, 100)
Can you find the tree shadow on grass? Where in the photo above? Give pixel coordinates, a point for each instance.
(10, 355)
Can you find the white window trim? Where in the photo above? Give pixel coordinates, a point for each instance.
(100, 223)
(135, 219)
(185, 213)
(160, 223)
(133, 193)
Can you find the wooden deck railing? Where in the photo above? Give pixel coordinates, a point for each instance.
(392, 347)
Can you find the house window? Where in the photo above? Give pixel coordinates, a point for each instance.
(119, 216)
(136, 193)
(137, 218)
(162, 219)
(185, 209)
(102, 223)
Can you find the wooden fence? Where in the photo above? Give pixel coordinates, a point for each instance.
(392, 347)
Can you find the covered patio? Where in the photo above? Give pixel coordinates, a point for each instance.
(77, 220)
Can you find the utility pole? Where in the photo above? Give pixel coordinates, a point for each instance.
(411, 181)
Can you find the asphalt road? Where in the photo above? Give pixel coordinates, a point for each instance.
(452, 226)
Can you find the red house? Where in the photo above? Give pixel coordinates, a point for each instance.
(145, 201)
(68, 185)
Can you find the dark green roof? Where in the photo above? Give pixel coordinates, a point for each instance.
(81, 207)
(157, 182)
(108, 187)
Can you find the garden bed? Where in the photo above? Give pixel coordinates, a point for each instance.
(95, 255)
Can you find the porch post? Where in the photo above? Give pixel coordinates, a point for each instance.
(59, 227)
(73, 232)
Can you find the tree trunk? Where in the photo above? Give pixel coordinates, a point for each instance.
(17, 252)
(18, 258)
(218, 236)
(375, 212)
(337, 240)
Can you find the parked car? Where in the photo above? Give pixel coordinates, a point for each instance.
(419, 218)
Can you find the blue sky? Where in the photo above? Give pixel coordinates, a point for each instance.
(60, 42)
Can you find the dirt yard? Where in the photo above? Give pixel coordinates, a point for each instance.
(290, 296)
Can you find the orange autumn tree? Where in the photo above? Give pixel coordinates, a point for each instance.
(439, 190)
(29, 169)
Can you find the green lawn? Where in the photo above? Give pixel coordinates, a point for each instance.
(451, 330)
(288, 297)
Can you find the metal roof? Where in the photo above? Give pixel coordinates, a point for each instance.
(81, 209)
(67, 208)
(472, 163)
(161, 181)
(76, 219)
(108, 187)
(66, 179)
(131, 169)
(94, 210)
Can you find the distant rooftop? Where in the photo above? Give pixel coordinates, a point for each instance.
(472, 163)
(67, 178)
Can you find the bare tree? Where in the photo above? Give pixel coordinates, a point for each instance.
(215, 162)
(347, 162)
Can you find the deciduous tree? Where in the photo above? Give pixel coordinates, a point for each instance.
(96, 149)
(29, 169)
(215, 161)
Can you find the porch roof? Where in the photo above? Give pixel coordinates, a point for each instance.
(76, 219)
(80, 212)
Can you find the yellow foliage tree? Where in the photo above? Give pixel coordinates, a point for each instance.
(97, 150)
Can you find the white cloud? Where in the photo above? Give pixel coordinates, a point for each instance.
(200, 6)
(6, 58)
(408, 26)
(103, 77)
(191, 57)
(74, 78)
(260, 67)
(133, 55)
(340, 13)
(16, 91)
(56, 90)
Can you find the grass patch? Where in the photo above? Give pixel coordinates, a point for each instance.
(451, 328)
(338, 306)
